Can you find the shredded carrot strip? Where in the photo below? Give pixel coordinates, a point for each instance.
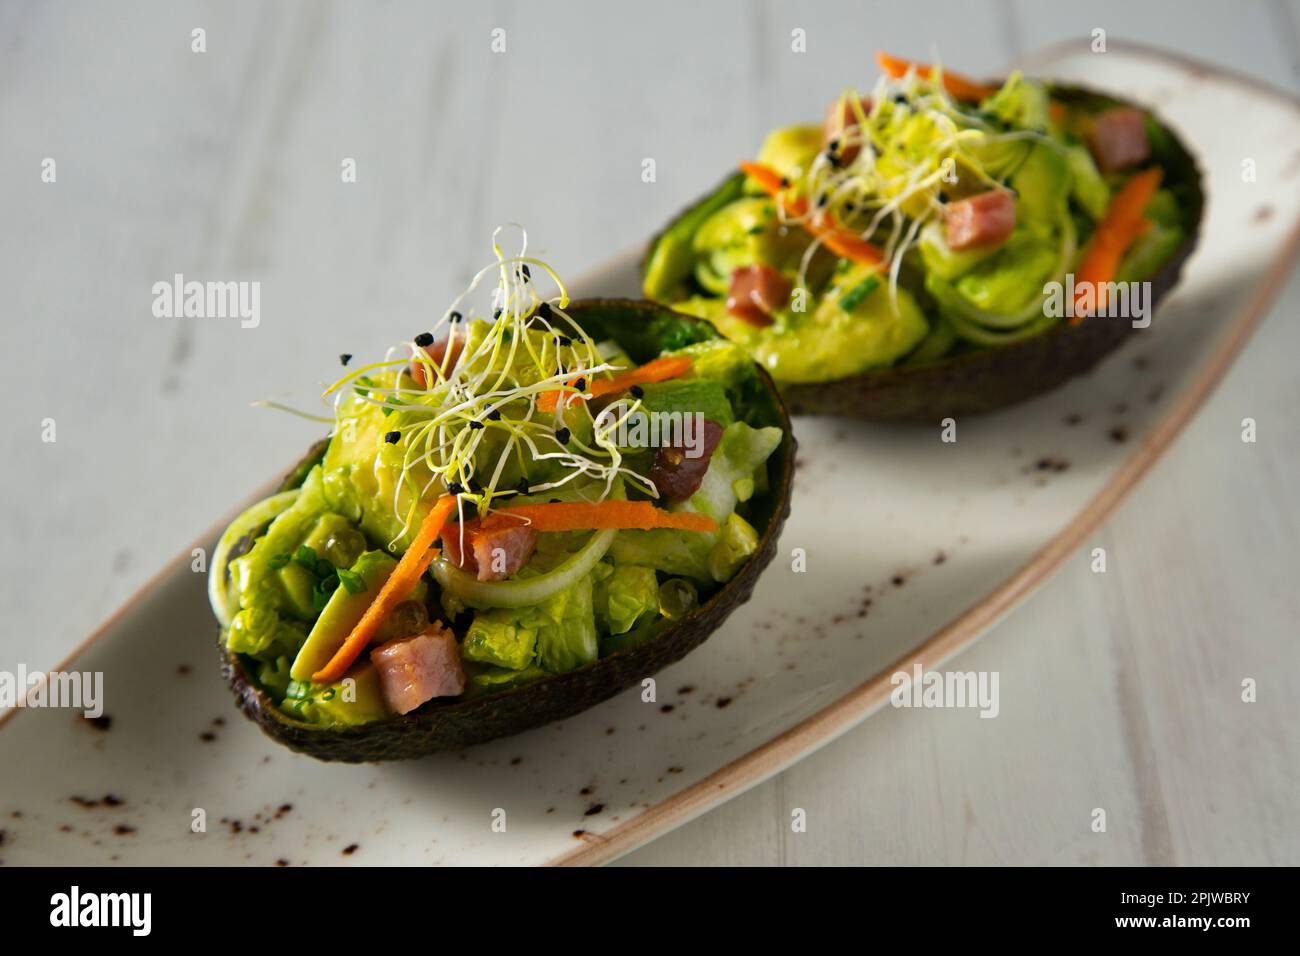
(841, 241)
(956, 84)
(599, 515)
(658, 370)
(399, 584)
(1117, 231)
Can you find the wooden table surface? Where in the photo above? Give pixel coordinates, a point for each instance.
(226, 164)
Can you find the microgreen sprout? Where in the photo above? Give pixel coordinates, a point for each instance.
(461, 399)
(872, 183)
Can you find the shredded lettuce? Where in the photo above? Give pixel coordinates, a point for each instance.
(557, 635)
(624, 594)
(729, 480)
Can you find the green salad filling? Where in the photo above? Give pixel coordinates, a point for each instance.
(932, 217)
(502, 499)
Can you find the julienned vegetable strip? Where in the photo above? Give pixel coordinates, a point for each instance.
(658, 370)
(599, 515)
(841, 241)
(1116, 232)
(956, 84)
(399, 584)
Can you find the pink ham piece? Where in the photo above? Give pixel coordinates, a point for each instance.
(437, 352)
(756, 292)
(493, 554)
(677, 476)
(1118, 138)
(415, 669)
(841, 122)
(983, 220)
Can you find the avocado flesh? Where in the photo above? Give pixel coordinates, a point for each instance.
(671, 258)
(924, 387)
(828, 340)
(341, 614)
(500, 703)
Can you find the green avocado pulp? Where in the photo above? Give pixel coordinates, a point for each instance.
(298, 571)
(890, 178)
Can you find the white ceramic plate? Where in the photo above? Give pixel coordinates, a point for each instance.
(926, 545)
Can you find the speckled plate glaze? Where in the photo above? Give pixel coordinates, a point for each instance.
(914, 547)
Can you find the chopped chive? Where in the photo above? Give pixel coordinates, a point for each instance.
(853, 298)
(324, 590)
(278, 561)
(306, 557)
(354, 582)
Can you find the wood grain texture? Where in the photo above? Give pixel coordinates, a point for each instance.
(1119, 690)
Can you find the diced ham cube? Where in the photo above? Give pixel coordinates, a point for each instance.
(437, 352)
(675, 474)
(840, 126)
(983, 220)
(491, 553)
(415, 669)
(1118, 138)
(756, 292)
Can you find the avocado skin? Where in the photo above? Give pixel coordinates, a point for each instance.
(452, 725)
(990, 379)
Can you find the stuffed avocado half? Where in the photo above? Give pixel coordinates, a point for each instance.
(938, 246)
(511, 520)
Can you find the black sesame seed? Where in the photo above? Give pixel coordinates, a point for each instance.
(565, 341)
(455, 317)
(638, 391)
(494, 415)
(523, 271)
(475, 426)
(943, 196)
(496, 313)
(562, 436)
(900, 99)
(522, 487)
(455, 488)
(833, 146)
(580, 384)
(822, 200)
(785, 182)
(423, 339)
(544, 310)
(555, 501)
(393, 437)
(345, 358)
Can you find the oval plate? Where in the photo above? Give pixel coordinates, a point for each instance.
(788, 672)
